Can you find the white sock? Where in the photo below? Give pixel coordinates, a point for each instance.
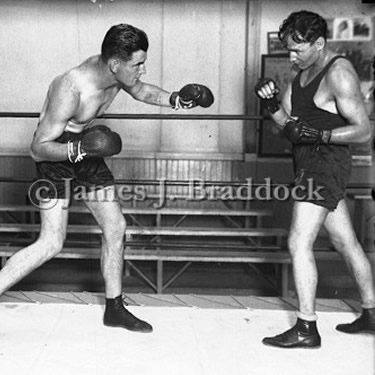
(309, 318)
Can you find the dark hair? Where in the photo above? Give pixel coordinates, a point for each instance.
(122, 41)
(303, 27)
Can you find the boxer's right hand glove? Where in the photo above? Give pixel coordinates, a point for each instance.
(267, 90)
(190, 96)
(98, 141)
(299, 131)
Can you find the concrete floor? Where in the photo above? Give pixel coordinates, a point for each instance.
(62, 333)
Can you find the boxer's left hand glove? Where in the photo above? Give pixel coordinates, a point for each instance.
(299, 131)
(190, 96)
(267, 90)
(98, 141)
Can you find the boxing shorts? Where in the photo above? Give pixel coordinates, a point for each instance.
(63, 177)
(324, 169)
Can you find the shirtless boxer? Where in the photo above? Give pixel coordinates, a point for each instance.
(321, 112)
(65, 147)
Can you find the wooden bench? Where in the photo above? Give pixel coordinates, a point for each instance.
(173, 252)
(162, 243)
(188, 256)
(258, 214)
(134, 214)
(188, 244)
(173, 243)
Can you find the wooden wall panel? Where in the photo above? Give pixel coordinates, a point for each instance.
(190, 41)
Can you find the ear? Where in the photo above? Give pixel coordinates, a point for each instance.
(320, 43)
(114, 65)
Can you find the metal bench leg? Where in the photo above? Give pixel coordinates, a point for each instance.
(159, 276)
(284, 279)
(127, 269)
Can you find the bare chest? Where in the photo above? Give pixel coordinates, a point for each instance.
(94, 103)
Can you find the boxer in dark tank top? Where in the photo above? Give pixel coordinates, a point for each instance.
(321, 113)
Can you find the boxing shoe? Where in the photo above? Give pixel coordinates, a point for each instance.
(304, 334)
(364, 324)
(116, 315)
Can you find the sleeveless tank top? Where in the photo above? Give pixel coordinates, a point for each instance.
(303, 102)
(319, 161)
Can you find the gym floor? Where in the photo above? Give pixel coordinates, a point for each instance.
(210, 321)
(62, 333)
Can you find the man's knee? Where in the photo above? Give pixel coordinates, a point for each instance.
(298, 244)
(345, 244)
(52, 245)
(117, 231)
(292, 245)
(337, 243)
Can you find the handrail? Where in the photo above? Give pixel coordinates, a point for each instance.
(156, 182)
(186, 182)
(145, 116)
(151, 116)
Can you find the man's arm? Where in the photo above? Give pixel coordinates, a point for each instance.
(62, 103)
(344, 84)
(190, 96)
(149, 94)
(267, 90)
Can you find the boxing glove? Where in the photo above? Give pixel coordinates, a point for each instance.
(98, 141)
(272, 103)
(299, 131)
(190, 96)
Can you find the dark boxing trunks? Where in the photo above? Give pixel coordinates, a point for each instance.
(89, 174)
(324, 169)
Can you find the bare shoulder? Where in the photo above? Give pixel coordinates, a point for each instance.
(63, 96)
(65, 84)
(342, 75)
(75, 78)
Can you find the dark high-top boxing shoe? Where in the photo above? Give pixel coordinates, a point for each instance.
(364, 324)
(116, 315)
(303, 335)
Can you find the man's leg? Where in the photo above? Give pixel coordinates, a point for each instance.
(307, 219)
(107, 212)
(344, 239)
(50, 242)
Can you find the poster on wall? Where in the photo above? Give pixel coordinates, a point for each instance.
(351, 29)
(353, 38)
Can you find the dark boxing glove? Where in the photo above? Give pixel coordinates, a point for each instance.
(272, 103)
(98, 141)
(299, 131)
(190, 96)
